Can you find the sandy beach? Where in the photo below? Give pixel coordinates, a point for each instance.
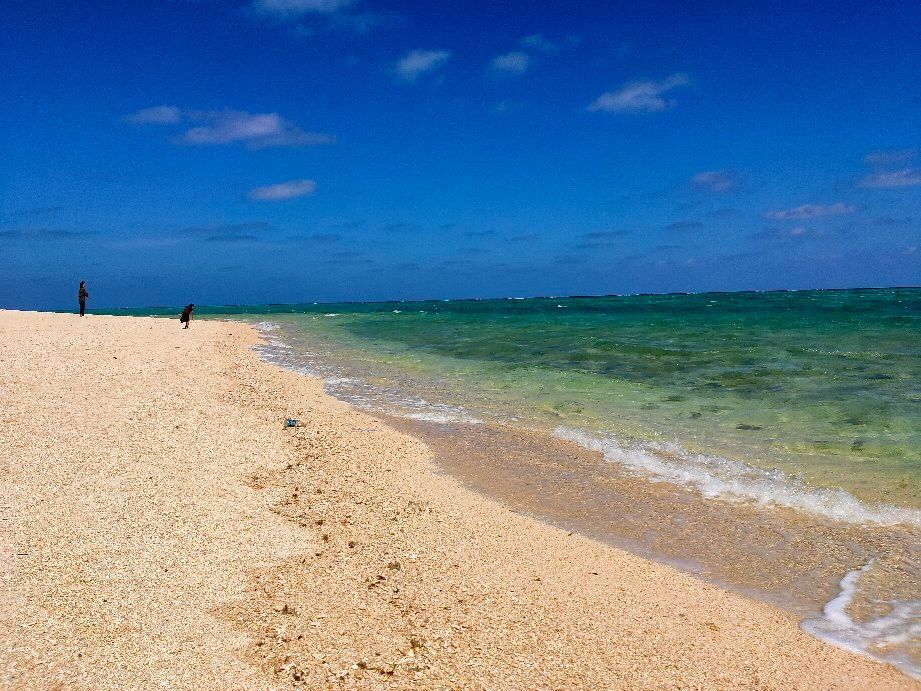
(162, 528)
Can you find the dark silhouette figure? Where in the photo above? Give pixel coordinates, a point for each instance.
(186, 315)
(81, 296)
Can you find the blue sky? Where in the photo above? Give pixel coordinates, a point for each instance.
(321, 150)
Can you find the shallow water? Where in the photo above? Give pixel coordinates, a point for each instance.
(824, 385)
(792, 418)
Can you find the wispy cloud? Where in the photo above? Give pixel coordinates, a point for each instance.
(539, 43)
(516, 62)
(714, 181)
(456, 265)
(890, 157)
(640, 96)
(684, 225)
(604, 234)
(310, 17)
(317, 238)
(222, 127)
(228, 232)
(325, 238)
(512, 64)
(287, 10)
(255, 130)
(45, 210)
(228, 227)
(420, 62)
(596, 245)
(398, 227)
(527, 237)
(884, 176)
(44, 234)
(906, 177)
(283, 190)
(39, 211)
(788, 235)
(231, 238)
(569, 259)
(342, 225)
(807, 211)
(363, 22)
(349, 261)
(158, 115)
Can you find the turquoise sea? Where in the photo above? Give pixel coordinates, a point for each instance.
(809, 401)
(823, 385)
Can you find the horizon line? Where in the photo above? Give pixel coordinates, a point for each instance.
(487, 299)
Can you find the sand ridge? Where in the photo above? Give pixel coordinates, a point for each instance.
(162, 529)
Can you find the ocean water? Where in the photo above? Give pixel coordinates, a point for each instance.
(805, 402)
(821, 386)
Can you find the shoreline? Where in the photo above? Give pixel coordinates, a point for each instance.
(568, 485)
(330, 553)
(785, 543)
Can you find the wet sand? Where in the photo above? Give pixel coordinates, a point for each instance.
(790, 558)
(162, 529)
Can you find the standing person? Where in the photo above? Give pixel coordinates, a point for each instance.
(186, 315)
(81, 296)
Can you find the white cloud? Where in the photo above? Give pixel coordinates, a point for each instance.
(807, 211)
(159, 115)
(294, 9)
(906, 177)
(254, 130)
(640, 96)
(539, 43)
(714, 180)
(283, 190)
(418, 62)
(511, 64)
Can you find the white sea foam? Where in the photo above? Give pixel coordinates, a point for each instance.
(436, 417)
(728, 479)
(894, 637)
(420, 409)
(354, 391)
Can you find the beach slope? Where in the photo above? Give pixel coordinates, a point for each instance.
(161, 528)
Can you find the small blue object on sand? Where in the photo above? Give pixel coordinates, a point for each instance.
(290, 422)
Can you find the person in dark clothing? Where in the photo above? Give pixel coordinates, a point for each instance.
(186, 315)
(81, 296)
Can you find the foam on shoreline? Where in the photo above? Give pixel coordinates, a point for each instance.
(373, 399)
(894, 637)
(201, 543)
(716, 477)
(713, 477)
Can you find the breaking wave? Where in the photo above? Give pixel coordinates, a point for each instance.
(724, 478)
